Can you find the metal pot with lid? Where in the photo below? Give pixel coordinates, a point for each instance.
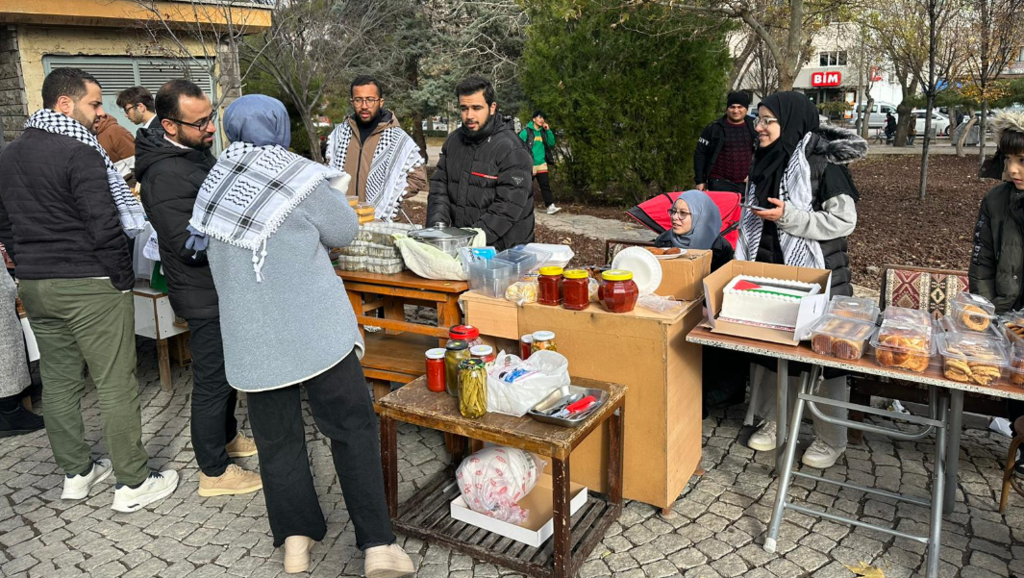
(445, 238)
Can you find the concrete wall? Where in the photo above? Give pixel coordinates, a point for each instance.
(13, 103)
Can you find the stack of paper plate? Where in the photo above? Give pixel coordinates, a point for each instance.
(645, 267)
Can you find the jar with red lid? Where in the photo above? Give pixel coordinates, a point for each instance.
(618, 292)
(484, 352)
(467, 333)
(576, 289)
(435, 369)
(549, 286)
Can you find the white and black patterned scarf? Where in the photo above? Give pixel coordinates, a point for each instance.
(133, 217)
(251, 191)
(796, 190)
(395, 156)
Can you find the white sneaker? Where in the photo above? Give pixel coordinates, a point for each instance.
(763, 439)
(77, 487)
(821, 455)
(552, 209)
(157, 486)
(389, 561)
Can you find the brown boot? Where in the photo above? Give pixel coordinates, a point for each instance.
(241, 447)
(234, 480)
(296, 553)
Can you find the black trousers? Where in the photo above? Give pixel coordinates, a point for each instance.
(545, 188)
(213, 400)
(340, 402)
(723, 185)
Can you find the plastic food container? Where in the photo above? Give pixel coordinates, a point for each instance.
(552, 254)
(905, 315)
(1013, 327)
(522, 262)
(970, 357)
(491, 277)
(1016, 366)
(903, 345)
(853, 307)
(973, 312)
(841, 337)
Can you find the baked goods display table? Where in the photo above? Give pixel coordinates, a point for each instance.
(396, 354)
(643, 350)
(945, 419)
(426, 514)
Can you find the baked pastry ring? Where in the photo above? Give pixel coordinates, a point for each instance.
(975, 318)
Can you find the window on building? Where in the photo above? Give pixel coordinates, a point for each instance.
(832, 58)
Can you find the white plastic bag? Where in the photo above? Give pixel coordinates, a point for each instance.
(430, 262)
(493, 480)
(515, 386)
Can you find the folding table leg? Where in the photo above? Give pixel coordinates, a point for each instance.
(954, 428)
(787, 455)
(782, 409)
(938, 483)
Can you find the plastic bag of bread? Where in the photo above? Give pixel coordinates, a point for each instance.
(841, 337)
(904, 346)
(493, 480)
(522, 292)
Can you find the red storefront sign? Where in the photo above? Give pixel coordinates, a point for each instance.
(826, 79)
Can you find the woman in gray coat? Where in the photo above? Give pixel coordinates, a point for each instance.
(270, 216)
(14, 376)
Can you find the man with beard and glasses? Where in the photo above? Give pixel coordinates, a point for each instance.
(484, 175)
(384, 162)
(65, 217)
(172, 161)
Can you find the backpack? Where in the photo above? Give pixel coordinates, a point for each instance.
(549, 155)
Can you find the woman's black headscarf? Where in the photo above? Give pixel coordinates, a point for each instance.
(797, 116)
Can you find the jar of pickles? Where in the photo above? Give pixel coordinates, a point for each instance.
(467, 333)
(456, 352)
(576, 289)
(618, 292)
(543, 340)
(549, 288)
(484, 352)
(472, 388)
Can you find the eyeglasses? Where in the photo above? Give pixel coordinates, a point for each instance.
(200, 124)
(128, 109)
(362, 101)
(765, 121)
(681, 214)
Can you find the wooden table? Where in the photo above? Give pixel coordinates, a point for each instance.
(396, 354)
(946, 419)
(426, 514)
(154, 318)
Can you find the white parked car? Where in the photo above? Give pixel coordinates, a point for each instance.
(939, 121)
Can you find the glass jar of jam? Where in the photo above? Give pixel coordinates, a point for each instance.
(549, 289)
(543, 340)
(435, 369)
(467, 333)
(456, 352)
(576, 289)
(525, 346)
(618, 292)
(484, 352)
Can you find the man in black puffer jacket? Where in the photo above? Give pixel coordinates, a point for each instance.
(172, 160)
(484, 178)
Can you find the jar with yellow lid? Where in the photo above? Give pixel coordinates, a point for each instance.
(549, 286)
(575, 289)
(618, 292)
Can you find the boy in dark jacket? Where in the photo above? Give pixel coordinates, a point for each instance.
(484, 176)
(171, 162)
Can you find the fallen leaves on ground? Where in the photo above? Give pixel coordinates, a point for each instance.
(865, 570)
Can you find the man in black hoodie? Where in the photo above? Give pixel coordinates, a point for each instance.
(171, 163)
(484, 177)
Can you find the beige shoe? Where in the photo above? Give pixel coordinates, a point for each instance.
(296, 553)
(241, 447)
(234, 480)
(387, 562)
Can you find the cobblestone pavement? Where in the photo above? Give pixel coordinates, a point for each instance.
(717, 533)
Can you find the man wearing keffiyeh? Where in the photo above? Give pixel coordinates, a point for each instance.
(65, 217)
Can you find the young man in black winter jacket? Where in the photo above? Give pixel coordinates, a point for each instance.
(725, 148)
(484, 177)
(172, 160)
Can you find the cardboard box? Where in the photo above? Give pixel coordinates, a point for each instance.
(683, 277)
(811, 308)
(492, 316)
(539, 524)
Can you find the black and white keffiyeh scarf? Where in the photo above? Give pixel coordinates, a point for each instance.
(251, 191)
(395, 156)
(133, 217)
(795, 189)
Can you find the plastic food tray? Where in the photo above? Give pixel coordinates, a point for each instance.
(972, 357)
(491, 277)
(903, 345)
(854, 307)
(905, 315)
(841, 337)
(973, 312)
